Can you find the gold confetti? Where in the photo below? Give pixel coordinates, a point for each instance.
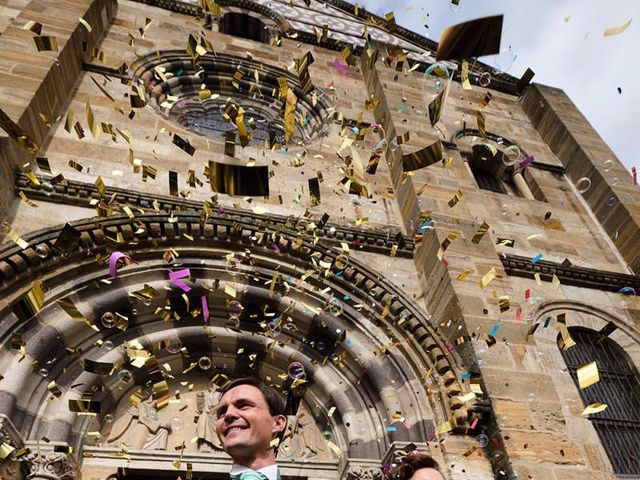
(445, 427)
(16, 133)
(464, 75)
(474, 38)
(488, 277)
(463, 275)
(85, 24)
(587, 375)
(595, 407)
(13, 235)
(482, 230)
(91, 121)
(555, 281)
(54, 389)
(422, 158)
(35, 27)
(68, 306)
(617, 30)
(456, 198)
(26, 199)
(45, 44)
(183, 144)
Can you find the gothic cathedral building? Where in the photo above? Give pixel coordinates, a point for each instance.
(420, 253)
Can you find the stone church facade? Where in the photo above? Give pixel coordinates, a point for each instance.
(194, 192)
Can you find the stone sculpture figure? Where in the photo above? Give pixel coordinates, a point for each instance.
(144, 428)
(206, 404)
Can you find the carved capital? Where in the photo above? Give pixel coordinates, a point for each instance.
(358, 472)
(51, 466)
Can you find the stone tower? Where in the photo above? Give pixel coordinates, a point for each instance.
(194, 192)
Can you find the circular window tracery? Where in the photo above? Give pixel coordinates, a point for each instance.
(196, 94)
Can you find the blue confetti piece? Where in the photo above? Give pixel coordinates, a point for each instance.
(346, 297)
(494, 330)
(536, 258)
(391, 429)
(465, 375)
(546, 321)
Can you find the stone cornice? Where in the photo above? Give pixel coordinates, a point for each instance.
(501, 82)
(81, 194)
(518, 266)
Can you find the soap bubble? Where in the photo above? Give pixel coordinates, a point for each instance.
(482, 440)
(511, 155)
(615, 181)
(42, 251)
(504, 209)
(108, 345)
(607, 165)
(485, 79)
(108, 320)
(43, 372)
(177, 424)
(335, 306)
(612, 200)
(173, 345)
(124, 375)
(108, 418)
(204, 363)
(504, 60)
(296, 371)
(627, 296)
(583, 184)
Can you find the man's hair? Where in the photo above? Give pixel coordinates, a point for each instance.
(414, 462)
(271, 395)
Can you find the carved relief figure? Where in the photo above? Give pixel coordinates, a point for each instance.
(143, 427)
(206, 427)
(305, 439)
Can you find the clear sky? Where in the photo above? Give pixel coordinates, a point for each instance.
(562, 41)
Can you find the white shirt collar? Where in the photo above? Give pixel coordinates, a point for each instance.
(271, 472)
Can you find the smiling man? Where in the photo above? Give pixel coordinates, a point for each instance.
(250, 416)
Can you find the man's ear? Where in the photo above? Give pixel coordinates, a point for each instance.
(279, 423)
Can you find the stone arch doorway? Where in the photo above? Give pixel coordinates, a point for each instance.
(295, 300)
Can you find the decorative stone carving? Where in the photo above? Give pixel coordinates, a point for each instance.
(358, 472)
(10, 441)
(51, 466)
(206, 427)
(304, 439)
(140, 427)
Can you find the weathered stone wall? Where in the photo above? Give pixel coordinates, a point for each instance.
(536, 404)
(35, 84)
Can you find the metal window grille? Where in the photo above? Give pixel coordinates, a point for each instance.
(619, 388)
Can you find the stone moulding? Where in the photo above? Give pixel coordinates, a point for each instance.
(519, 266)
(81, 193)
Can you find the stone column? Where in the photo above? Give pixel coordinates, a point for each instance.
(522, 186)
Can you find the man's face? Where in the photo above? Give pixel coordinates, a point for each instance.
(426, 474)
(244, 424)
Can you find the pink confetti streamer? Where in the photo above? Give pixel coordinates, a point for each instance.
(341, 68)
(176, 276)
(205, 309)
(113, 262)
(526, 162)
(518, 316)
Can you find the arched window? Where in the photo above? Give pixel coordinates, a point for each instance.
(243, 25)
(619, 388)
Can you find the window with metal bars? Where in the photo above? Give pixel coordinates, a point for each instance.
(619, 388)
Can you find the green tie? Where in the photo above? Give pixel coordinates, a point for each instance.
(250, 475)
